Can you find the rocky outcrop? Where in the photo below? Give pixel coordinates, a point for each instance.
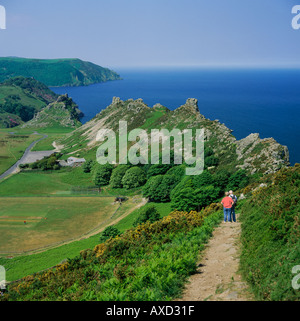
(261, 155)
(190, 106)
(62, 113)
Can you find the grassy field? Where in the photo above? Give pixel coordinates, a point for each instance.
(49, 220)
(12, 147)
(20, 266)
(54, 134)
(42, 183)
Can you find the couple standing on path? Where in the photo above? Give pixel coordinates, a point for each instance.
(229, 202)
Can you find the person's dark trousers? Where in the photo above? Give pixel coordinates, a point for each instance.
(232, 214)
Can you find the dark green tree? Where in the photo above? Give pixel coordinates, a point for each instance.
(87, 166)
(221, 179)
(134, 177)
(110, 231)
(158, 169)
(117, 175)
(184, 200)
(203, 179)
(148, 213)
(152, 187)
(238, 180)
(102, 175)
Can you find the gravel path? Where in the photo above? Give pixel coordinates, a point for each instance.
(217, 278)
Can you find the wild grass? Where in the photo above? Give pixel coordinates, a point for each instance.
(271, 237)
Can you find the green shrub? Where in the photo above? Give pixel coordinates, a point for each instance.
(158, 169)
(134, 177)
(87, 166)
(117, 175)
(110, 231)
(238, 180)
(101, 175)
(148, 213)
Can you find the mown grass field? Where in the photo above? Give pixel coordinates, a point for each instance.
(49, 220)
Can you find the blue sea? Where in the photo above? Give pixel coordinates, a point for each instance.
(264, 101)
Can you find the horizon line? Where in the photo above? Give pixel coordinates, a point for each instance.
(212, 66)
(196, 65)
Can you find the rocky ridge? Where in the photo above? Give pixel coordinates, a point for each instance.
(251, 153)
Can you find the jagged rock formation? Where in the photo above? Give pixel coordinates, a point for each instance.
(270, 155)
(251, 153)
(61, 113)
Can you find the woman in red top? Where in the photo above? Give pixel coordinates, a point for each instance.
(227, 203)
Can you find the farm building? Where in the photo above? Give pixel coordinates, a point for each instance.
(72, 161)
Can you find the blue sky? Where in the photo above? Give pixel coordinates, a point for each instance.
(125, 33)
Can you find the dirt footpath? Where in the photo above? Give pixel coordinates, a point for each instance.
(217, 277)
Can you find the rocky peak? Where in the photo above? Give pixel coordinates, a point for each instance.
(116, 100)
(62, 98)
(191, 106)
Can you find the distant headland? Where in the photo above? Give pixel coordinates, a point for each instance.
(56, 72)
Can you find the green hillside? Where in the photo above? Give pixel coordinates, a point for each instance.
(62, 113)
(21, 98)
(271, 236)
(56, 72)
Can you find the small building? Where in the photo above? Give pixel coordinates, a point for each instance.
(72, 162)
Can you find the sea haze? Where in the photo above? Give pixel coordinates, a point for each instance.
(264, 101)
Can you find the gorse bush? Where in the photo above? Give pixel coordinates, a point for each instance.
(149, 262)
(271, 237)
